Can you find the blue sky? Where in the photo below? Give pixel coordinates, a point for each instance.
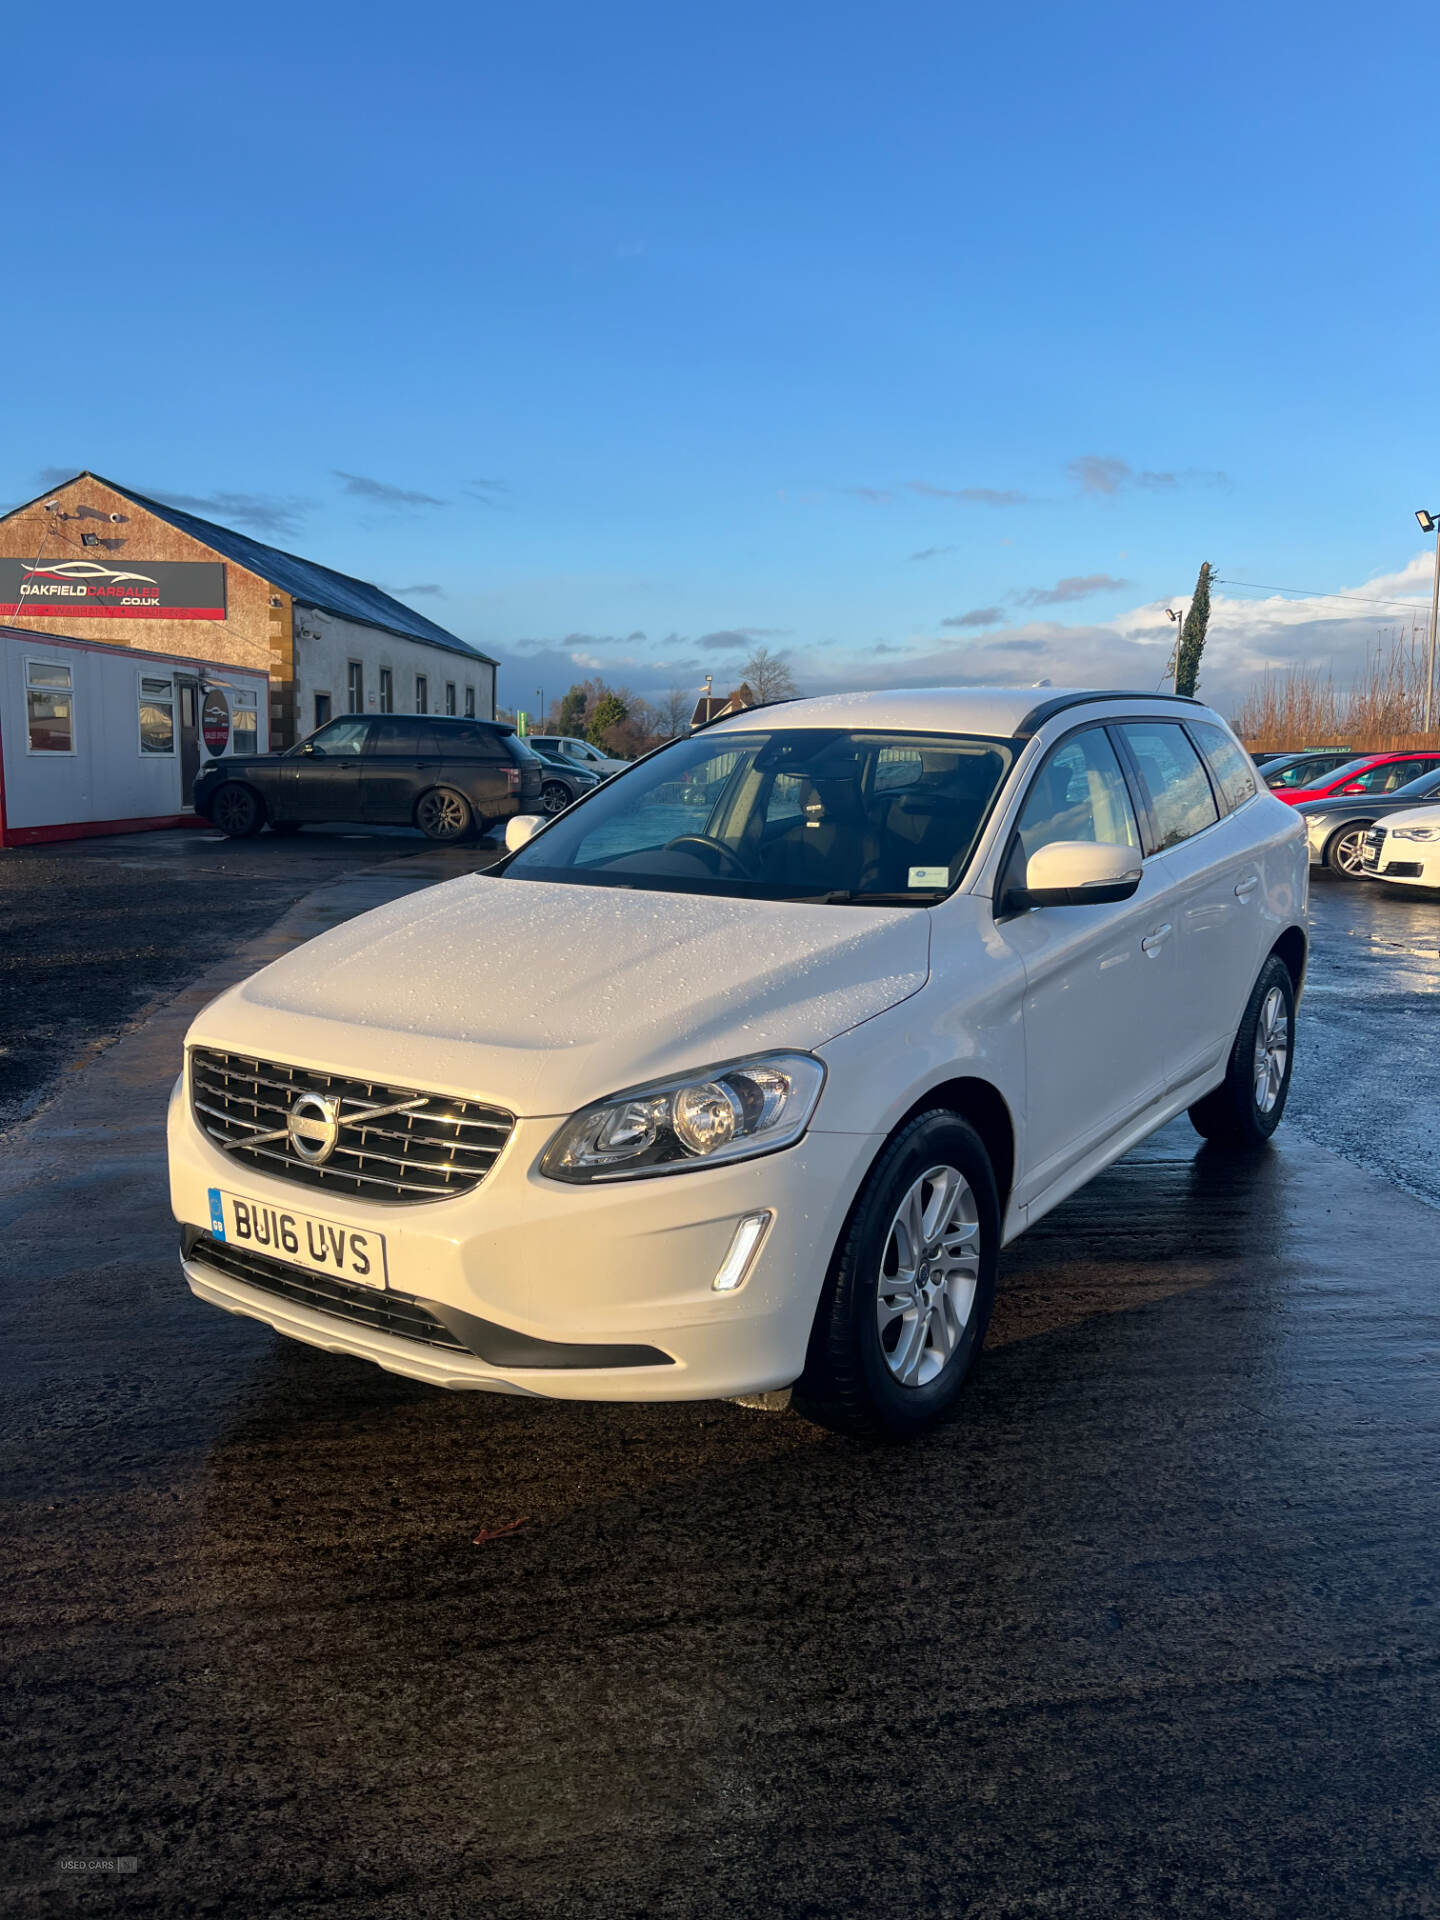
(618, 337)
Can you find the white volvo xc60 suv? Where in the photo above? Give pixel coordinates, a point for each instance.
(738, 1075)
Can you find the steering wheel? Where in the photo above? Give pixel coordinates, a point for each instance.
(737, 865)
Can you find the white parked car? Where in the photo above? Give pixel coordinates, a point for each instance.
(580, 753)
(1405, 848)
(738, 1074)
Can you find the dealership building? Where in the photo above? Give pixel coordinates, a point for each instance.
(96, 562)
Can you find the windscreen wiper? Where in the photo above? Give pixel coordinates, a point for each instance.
(846, 897)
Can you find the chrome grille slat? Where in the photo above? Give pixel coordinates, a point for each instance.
(423, 1154)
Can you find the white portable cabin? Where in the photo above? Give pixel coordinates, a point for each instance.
(101, 739)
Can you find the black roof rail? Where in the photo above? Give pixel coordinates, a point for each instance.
(1048, 709)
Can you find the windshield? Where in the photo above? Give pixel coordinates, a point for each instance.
(1420, 789)
(801, 814)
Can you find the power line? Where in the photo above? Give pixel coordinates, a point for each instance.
(1313, 593)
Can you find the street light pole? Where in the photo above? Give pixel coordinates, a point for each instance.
(1430, 522)
(1179, 619)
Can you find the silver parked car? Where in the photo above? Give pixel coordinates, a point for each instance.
(1337, 827)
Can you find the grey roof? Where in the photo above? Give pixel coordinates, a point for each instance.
(307, 582)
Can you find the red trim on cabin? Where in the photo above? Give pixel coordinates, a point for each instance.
(88, 829)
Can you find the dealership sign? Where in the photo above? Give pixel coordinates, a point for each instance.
(90, 590)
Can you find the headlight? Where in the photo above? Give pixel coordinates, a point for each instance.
(727, 1112)
(1415, 833)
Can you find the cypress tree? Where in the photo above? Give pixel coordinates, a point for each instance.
(1192, 634)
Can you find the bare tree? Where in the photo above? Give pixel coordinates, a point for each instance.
(672, 713)
(769, 676)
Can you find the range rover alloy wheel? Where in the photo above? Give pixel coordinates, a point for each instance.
(1345, 853)
(443, 814)
(237, 811)
(903, 1312)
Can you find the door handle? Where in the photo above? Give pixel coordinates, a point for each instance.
(1244, 888)
(1156, 938)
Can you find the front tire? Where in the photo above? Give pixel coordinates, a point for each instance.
(1345, 851)
(443, 815)
(908, 1297)
(1246, 1108)
(237, 811)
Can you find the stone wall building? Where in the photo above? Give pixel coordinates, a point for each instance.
(96, 560)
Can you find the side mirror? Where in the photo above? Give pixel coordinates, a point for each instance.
(1355, 786)
(310, 747)
(520, 828)
(1081, 873)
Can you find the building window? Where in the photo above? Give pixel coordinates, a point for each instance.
(244, 722)
(355, 686)
(157, 715)
(49, 708)
(322, 708)
(469, 703)
(387, 690)
(450, 706)
(422, 694)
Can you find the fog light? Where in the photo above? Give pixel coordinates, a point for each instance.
(736, 1264)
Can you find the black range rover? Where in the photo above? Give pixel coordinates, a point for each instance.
(447, 777)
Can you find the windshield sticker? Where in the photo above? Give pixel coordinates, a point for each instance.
(929, 876)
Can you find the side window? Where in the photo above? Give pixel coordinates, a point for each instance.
(341, 736)
(786, 801)
(157, 715)
(1181, 803)
(1079, 794)
(48, 708)
(244, 722)
(1233, 772)
(472, 742)
(1378, 780)
(399, 738)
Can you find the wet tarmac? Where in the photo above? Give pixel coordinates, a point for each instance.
(1152, 1628)
(93, 932)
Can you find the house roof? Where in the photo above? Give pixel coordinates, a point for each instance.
(712, 706)
(306, 581)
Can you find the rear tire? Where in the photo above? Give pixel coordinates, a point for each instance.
(555, 797)
(909, 1293)
(443, 814)
(1246, 1108)
(1345, 850)
(237, 811)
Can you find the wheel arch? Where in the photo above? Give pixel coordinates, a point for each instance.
(1292, 949)
(987, 1111)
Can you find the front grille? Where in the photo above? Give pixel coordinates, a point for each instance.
(427, 1147)
(1404, 869)
(1374, 844)
(386, 1312)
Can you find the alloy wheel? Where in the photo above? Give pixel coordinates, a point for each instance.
(554, 797)
(1348, 852)
(1272, 1049)
(929, 1274)
(234, 810)
(443, 816)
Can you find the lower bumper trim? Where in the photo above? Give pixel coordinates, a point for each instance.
(406, 1317)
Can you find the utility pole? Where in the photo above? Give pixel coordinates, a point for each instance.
(1179, 619)
(1430, 523)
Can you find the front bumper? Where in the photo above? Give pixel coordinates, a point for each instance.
(629, 1265)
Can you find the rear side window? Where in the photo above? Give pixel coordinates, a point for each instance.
(468, 740)
(1079, 794)
(1176, 784)
(1233, 773)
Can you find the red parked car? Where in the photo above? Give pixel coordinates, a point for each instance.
(1371, 773)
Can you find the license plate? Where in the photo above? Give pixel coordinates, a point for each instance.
(301, 1239)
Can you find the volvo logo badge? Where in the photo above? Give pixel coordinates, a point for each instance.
(313, 1127)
